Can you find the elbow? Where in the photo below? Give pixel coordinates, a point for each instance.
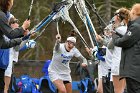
(12, 36)
(123, 45)
(118, 45)
(85, 61)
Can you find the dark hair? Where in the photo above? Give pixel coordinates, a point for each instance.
(4, 5)
(73, 34)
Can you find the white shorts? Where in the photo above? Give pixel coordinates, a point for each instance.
(115, 68)
(111, 78)
(55, 76)
(8, 71)
(99, 72)
(116, 58)
(102, 69)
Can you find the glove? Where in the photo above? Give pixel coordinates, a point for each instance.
(102, 51)
(29, 44)
(100, 54)
(100, 57)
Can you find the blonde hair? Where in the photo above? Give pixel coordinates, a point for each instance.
(136, 8)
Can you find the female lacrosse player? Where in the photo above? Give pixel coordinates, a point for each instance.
(59, 70)
(121, 18)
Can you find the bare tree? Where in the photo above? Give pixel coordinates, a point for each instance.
(108, 10)
(37, 19)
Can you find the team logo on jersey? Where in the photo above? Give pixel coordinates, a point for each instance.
(129, 33)
(66, 58)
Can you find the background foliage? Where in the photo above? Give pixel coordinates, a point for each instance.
(42, 8)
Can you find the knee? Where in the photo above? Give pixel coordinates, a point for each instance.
(62, 91)
(99, 90)
(5, 91)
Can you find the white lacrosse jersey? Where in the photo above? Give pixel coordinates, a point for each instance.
(116, 53)
(61, 59)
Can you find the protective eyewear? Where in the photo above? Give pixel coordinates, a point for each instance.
(69, 42)
(15, 21)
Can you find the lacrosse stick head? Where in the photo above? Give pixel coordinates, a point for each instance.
(81, 9)
(63, 11)
(58, 6)
(108, 29)
(112, 20)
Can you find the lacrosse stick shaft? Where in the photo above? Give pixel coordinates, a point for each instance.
(92, 43)
(79, 34)
(83, 13)
(31, 6)
(94, 10)
(57, 26)
(92, 31)
(41, 32)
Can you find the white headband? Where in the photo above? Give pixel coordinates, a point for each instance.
(72, 39)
